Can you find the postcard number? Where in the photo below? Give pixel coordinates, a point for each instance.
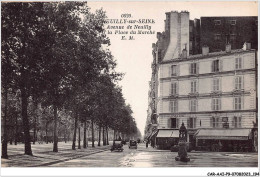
(126, 16)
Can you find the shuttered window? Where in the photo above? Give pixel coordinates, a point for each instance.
(193, 68)
(173, 123)
(216, 104)
(238, 64)
(237, 122)
(191, 122)
(238, 103)
(238, 82)
(193, 88)
(174, 88)
(174, 70)
(173, 107)
(193, 105)
(216, 84)
(216, 122)
(215, 66)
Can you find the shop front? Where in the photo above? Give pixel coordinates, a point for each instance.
(166, 138)
(227, 140)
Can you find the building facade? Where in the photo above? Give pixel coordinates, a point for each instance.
(217, 31)
(212, 93)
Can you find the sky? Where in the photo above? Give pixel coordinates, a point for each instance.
(134, 57)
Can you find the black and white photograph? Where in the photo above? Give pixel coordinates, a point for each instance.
(119, 88)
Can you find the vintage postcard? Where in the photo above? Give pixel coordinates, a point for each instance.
(148, 88)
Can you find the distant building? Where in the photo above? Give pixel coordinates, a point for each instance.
(213, 93)
(216, 32)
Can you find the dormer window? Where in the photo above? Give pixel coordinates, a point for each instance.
(232, 22)
(217, 22)
(217, 37)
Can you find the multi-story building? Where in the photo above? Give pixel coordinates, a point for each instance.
(214, 93)
(151, 121)
(217, 31)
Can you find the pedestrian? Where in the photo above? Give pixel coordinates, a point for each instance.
(146, 144)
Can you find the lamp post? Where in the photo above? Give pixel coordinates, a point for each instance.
(182, 153)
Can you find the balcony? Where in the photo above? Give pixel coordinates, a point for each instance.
(174, 95)
(195, 94)
(216, 93)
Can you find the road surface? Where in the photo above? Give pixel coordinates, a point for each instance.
(142, 157)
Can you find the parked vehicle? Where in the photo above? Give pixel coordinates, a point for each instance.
(138, 140)
(123, 142)
(132, 144)
(117, 145)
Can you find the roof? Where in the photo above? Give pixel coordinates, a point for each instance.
(210, 55)
(224, 134)
(168, 134)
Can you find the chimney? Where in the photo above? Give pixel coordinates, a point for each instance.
(228, 48)
(247, 46)
(205, 50)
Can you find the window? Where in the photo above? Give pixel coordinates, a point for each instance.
(193, 105)
(173, 123)
(217, 37)
(216, 122)
(238, 82)
(216, 104)
(193, 88)
(232, 22)
(238, 64)
(232, 37)
(173, 106)
(174, 88)
(159, 55)
(191, 122)
(216, 84)
(193, 68)
(173, 70)
(215, 66)
(238, 103)
(237, 122)
(217, 22)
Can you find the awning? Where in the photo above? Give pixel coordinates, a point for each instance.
(168, 134)
(223, 134)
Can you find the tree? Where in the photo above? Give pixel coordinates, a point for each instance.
(19, 28)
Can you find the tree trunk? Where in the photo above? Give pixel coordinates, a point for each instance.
(4, 143)
(85, 134)
(92, 129)
(26, 126)
(99, 135)
(104, 137)
(46, 132)
(55, 138)
(65, 135)
(35, 120)
(114, 134)
(79, 146)
(16, 130)
(75, 132)
(10, 134)
(107, 136)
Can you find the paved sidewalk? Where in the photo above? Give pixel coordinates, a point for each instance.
(43, 155)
